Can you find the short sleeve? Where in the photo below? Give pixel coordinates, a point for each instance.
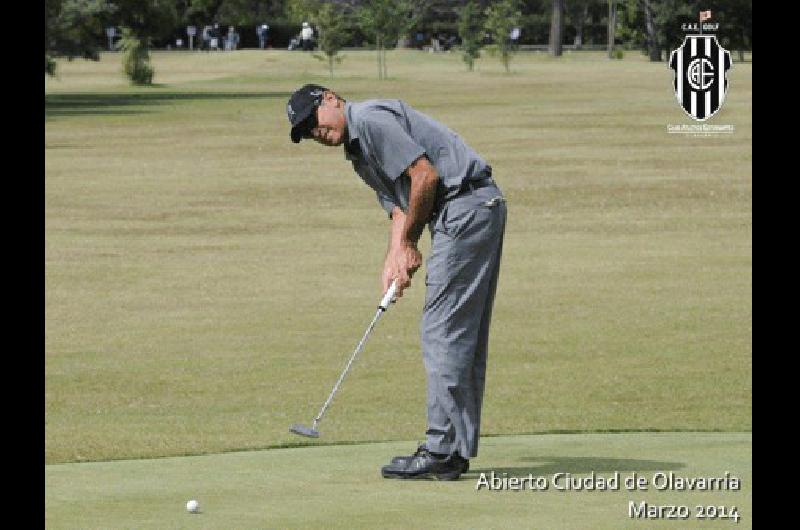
(394, 150)
(386, 203)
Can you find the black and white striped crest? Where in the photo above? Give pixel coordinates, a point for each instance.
(701, 75)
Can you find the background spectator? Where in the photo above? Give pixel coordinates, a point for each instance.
(206, 37)
(232, 39)
(307, 37)
(261, 31)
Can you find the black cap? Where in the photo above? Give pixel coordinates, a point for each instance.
(301, 106)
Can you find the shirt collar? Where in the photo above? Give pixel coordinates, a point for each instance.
(351, 145)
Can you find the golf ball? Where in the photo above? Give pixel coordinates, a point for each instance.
(192, 506)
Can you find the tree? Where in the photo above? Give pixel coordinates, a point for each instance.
(385, 21)
(470, 29)
(147, 19)
(653, 46)
(135, 58)
(536, 20)
(736, 24)
(302, 10)
(74, 28)
(557, 28)
(612, 26)
(654, 24)
(501, 18)
(333, 33)
(242, 12)
(142, 21)
(578, 11)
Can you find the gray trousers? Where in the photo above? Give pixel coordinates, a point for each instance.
(462, 271)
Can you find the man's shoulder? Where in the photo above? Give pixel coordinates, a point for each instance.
(372, 113)
(377, 107)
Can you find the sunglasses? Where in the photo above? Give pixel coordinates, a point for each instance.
(309, 125)
(311, 122)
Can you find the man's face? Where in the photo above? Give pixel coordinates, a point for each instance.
(331, 123)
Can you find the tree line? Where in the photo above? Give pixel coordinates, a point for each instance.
(76, 28)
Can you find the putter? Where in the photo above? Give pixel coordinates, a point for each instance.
(313, 432)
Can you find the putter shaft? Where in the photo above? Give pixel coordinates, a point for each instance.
(384, 304)
(347, 367)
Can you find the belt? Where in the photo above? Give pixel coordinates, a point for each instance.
(472, 185)
(467, 186)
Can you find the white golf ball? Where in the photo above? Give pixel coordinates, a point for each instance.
(192, 506)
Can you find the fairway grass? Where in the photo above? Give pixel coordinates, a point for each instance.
(206, 279)
(341, 487)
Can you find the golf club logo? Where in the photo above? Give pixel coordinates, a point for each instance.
(701, 82)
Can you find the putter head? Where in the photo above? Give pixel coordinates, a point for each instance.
(302, 430)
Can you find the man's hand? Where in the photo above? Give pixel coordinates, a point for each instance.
(401, 263)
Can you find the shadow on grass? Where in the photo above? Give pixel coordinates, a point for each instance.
(118, 104)
(577, 465)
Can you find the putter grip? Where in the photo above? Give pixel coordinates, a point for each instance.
(387, 298)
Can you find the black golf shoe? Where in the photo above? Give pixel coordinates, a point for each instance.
(424, 464)
(402, 460)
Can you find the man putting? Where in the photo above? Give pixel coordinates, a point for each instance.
(424, 173)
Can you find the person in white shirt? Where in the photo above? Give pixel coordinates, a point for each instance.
(307, 37)
(262, 31)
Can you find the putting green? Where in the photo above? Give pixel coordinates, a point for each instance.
(340, 486)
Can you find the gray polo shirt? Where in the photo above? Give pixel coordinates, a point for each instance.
(386, 135)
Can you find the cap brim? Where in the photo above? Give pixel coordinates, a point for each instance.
(300, 130)
(296, 134)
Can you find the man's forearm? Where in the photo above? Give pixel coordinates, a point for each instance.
(396, 229)
(403, 258)
(421, 199)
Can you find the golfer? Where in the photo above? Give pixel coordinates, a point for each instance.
(424, 173)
